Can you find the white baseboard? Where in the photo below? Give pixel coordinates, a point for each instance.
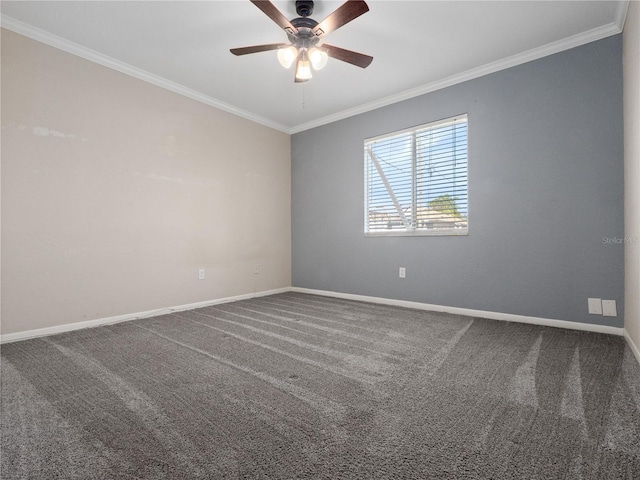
(634, 348)
(469, 312)
(42, 332)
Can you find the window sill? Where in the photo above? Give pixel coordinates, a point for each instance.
(420, 233)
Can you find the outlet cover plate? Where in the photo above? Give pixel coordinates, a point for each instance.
(609, 308)
(595, 306)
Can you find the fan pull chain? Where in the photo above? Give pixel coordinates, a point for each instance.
(303, 100)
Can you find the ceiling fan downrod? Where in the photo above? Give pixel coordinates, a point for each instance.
(304, 8)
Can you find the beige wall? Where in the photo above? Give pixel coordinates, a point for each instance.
(115, 192)
(631, 61)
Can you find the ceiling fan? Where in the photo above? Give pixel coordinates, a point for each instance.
(304, 35)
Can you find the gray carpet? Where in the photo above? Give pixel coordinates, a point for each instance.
(298, 386)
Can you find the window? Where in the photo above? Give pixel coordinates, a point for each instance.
(416, 180)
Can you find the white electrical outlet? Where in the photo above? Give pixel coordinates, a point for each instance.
(201, 274)
(256, 269)
(595, 306)
(609, 308)
(402, 273)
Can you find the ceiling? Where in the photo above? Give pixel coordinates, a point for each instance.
(418, 46)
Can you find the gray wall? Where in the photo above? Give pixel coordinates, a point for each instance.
(545, 190)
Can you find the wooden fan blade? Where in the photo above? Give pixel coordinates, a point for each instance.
(257, 48)
(349, 56)
(274, 14)
(341, 16)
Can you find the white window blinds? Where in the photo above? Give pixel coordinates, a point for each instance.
(416, 180)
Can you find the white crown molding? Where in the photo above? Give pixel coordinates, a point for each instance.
(508, 317)
(555, 47)
(524, 57)
(68, 327)
(60, 43)
(621, 14)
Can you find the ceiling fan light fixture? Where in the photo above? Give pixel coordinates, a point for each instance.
(304, 34)
(287, 55)
(318, 58)
(303, 67)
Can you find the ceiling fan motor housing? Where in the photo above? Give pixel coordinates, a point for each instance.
(304, 37)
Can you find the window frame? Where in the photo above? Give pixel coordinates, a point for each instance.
(422, 232)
